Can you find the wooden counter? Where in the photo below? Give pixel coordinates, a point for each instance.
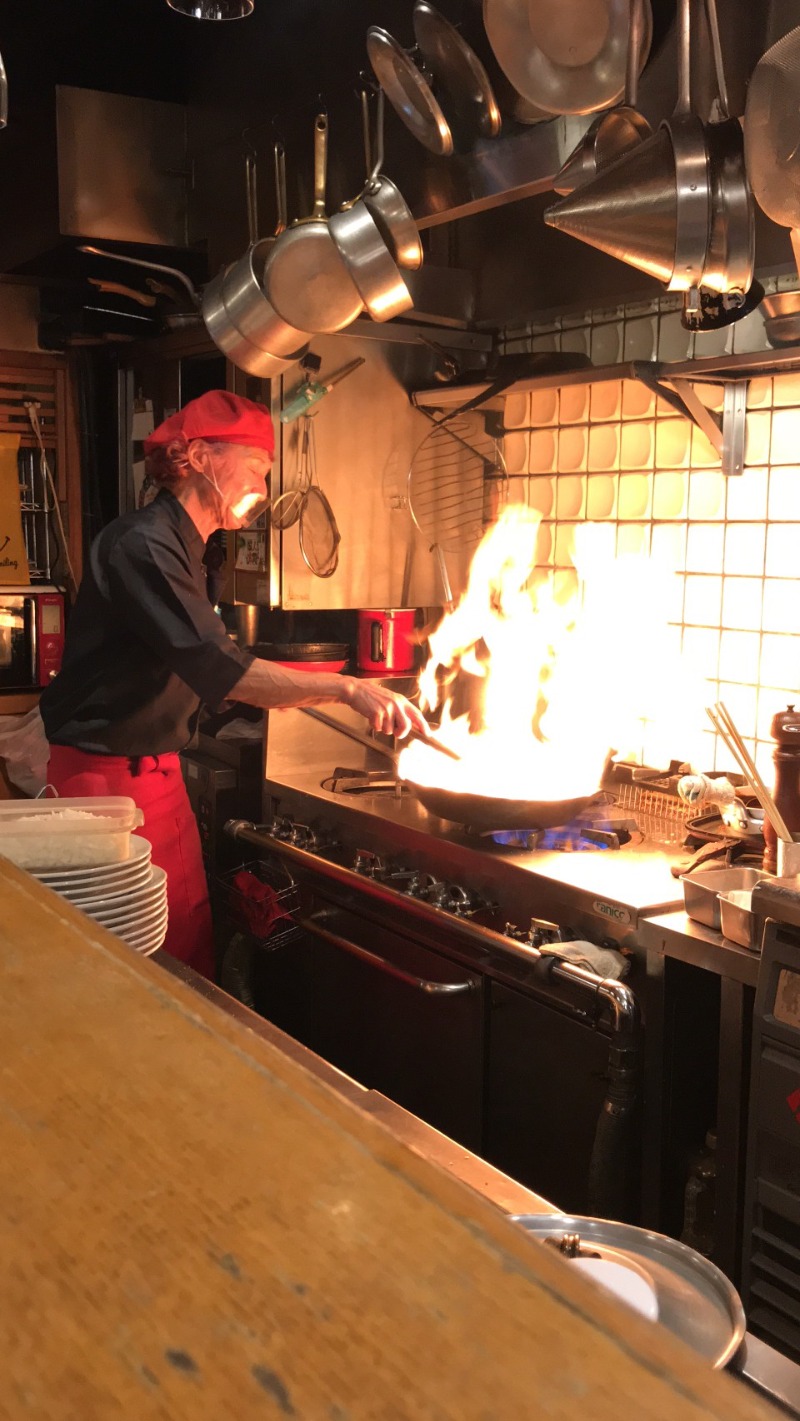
(194, 1226)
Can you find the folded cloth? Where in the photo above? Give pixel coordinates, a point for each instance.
(259, 903)
(603, 961)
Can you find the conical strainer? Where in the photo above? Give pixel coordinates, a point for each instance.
(677, 206)
(652, 207)
(629, 209)
(772, 135)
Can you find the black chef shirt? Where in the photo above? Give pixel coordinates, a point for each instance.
(144, 645)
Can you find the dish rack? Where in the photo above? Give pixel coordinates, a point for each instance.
(235, 905)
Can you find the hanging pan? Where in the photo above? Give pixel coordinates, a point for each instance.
(456, 66)
(772, 135)
(652, 207)
(237, 313)
(409, 92)
(305, 277)
(371, 264)
(564, 56)
(618, 130)
(383, 198)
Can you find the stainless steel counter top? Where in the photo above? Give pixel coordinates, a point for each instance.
(633, 882)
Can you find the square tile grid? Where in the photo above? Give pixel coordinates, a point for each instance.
(615, 454)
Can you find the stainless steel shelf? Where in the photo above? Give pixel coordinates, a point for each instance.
(712, 370)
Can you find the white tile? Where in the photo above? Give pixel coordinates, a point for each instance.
(702, 606)
(784, 495)
(739, 654)
(704, 548)
(783, 542)
(741, 603)
(744, 549)
(749, 334)
(747, 496)
(780, 663)
(640, 338)
(785, 436)
(606, 344)
(781, 610)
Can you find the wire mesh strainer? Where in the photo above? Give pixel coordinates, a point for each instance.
(457, 482)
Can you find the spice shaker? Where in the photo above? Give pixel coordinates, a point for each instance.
(785, 731)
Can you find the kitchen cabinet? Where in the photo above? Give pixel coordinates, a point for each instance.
(546, 1083)
(395, 1015)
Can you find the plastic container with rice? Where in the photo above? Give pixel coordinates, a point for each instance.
(67, 833)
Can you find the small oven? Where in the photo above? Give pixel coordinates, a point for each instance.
(31, 636)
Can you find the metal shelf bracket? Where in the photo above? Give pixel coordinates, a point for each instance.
(726, 433)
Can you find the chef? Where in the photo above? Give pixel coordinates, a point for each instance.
(145, 648)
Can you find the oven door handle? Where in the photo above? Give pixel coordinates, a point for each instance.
(315, 925)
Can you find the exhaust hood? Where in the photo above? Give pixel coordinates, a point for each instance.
(93, 165)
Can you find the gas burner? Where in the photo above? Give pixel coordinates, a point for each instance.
(602, 829)
(347, 781)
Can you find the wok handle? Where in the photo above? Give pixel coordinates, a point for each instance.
(320, 166)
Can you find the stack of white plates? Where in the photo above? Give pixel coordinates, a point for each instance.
(128, 898)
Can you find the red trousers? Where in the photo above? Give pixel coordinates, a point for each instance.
(155, 784)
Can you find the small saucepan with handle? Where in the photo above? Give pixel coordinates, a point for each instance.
(383, 198)
(306, 278)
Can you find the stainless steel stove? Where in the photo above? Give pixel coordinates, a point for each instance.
(598, 877)
(433, 964)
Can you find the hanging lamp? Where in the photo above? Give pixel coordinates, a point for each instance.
(213, 9)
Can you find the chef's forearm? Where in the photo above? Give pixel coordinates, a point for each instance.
(270, 686)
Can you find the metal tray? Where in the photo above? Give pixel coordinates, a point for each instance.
(701, 890)
(740, 925)
(696, 1301)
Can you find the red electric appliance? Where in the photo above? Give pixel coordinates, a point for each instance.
(385, 641)
(31, 636)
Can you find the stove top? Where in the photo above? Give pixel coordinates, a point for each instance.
(615, 871)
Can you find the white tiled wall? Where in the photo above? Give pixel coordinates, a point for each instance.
(613, 453)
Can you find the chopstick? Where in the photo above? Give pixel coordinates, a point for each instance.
(723, 723)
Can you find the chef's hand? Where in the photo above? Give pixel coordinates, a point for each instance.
(386, 711)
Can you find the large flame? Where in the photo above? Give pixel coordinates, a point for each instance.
(540, 676)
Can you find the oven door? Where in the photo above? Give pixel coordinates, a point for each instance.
(395, 1014)
(17, 643)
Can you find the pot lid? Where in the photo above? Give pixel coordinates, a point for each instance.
(301, 650)
(695, 1300)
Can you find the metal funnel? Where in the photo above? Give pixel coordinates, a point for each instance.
(629, 210)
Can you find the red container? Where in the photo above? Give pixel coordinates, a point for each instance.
(385, 644)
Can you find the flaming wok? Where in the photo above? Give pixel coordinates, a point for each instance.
(485, 812)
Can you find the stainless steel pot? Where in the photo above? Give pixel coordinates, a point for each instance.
(386, 203)
(305, 277)
(238, 315)
(370, 263)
